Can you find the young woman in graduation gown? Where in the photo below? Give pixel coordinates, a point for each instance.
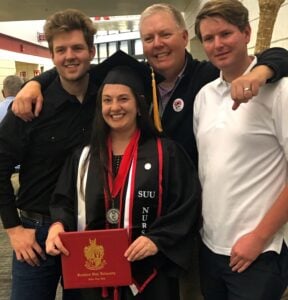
(128, 166)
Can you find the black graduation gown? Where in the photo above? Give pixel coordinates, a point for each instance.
(171, 231)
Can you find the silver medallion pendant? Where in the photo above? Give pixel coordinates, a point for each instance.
(113, 215)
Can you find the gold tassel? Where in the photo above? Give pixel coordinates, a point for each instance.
(156, 116)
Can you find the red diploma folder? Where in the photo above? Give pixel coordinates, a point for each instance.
(96, 259)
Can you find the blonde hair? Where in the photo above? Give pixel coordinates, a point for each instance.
(164, 7)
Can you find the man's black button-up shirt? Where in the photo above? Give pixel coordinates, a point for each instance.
(41, 147)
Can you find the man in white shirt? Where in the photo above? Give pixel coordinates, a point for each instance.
(11, 86)
(243, 167)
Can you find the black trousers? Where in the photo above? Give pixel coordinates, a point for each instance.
(265, 279)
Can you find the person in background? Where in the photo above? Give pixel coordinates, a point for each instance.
(243, 167)
(165, 37)
(125, 159)
(41, 147)
(11, 86)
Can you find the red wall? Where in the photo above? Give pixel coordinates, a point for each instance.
(16, 45)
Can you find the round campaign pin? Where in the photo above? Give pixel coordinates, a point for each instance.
(113, 216)
(147, 166)
(178, 104)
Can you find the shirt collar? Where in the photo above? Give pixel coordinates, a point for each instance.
(9, 98)
(59, 96)
(175, 83)
(250, 67)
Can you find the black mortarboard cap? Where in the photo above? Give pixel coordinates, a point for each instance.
(121, 68)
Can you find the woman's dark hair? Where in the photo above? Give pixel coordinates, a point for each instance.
(100, 132)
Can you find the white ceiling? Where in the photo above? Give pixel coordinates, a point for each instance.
(17, 10)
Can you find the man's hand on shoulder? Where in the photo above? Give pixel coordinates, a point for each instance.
(247, 86)
(28, 102)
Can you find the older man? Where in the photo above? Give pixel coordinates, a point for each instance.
(11, 86)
